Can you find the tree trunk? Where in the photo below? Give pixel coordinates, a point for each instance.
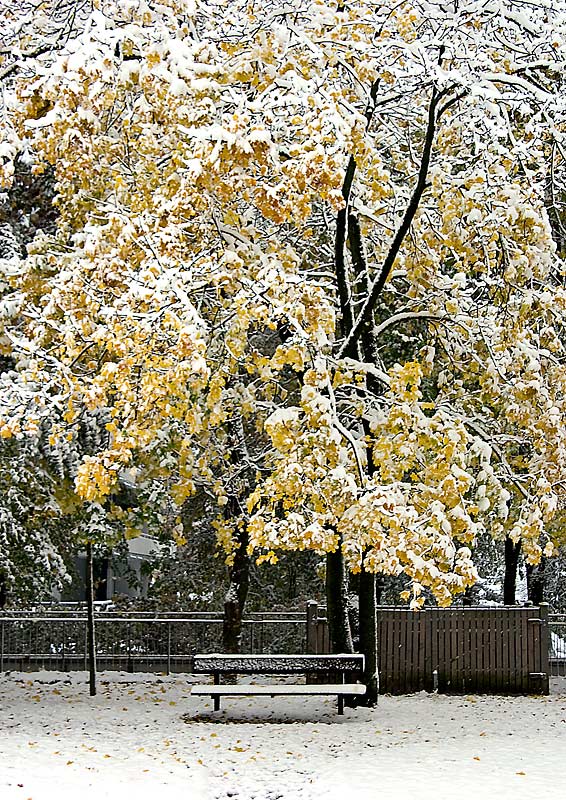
(368, 636)
(3, 591)
(536, 581)
(232, 625)
(236, 597)
(91, 641)
(370, 587)
(337, 603)
(468, 596)
(512, 552)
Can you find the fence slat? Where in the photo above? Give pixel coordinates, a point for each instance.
(393, 653)
(482, 623)
(499, 650)
(455, 652)
(388, 650)
(492, 651)
(472, 653)
(525, 662)
(508, 623)
(409, 667)
(395, 667)
(438, 648)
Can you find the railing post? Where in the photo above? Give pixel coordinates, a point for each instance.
(2, 648)
(86, 645)
(64, 664)
(312, 625)
(545, 647)
(130, 664)
(169, 648)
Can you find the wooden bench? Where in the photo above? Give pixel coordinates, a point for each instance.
(242, 664)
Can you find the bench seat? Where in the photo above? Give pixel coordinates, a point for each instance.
(211, 690)
(340, 690)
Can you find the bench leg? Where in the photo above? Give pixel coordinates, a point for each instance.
(340, 703)
(217, 697)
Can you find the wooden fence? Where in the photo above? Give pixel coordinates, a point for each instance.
(484, 650)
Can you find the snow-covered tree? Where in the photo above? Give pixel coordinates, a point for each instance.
(377, 183)
(34, 533)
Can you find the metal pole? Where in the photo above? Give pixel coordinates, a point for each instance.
(90, 621)
(168, 648)
(130, 665)
(64, 665)
(545, 647)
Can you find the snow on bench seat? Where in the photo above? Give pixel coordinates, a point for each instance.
(279, 664)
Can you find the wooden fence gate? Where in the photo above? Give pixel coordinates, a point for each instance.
(483, 650)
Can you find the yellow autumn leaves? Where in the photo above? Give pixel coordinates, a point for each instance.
(190, 291)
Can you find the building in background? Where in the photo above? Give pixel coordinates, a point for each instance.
(114, 575)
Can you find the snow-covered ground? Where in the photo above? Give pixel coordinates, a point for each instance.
(144, 737)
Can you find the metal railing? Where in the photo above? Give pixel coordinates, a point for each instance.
(557, 644)
(136, 641)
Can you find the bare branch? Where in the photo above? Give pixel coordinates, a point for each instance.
(342, 276)
(408, 217)
(405, 317)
